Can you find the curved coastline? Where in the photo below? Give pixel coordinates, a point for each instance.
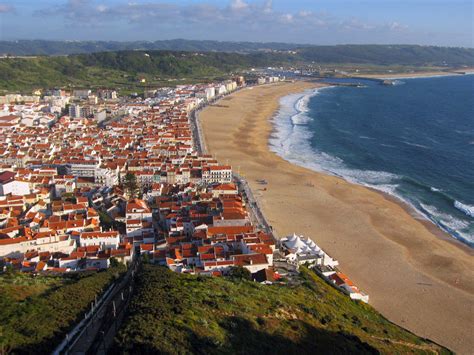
(277, 141)
(414, 277)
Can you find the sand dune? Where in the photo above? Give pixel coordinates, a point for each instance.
(420, 280)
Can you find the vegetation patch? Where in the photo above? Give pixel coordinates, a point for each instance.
(37, 311)
(175, 313)
(125, 70)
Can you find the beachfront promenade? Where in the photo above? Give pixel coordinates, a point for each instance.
(256, 214)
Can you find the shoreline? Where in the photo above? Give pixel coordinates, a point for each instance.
(414, 278)
(430, 224)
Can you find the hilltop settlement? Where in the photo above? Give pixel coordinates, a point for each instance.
(89, 178)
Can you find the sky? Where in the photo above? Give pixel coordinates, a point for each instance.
(425, 22)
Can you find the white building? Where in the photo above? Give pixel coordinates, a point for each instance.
(81, 94)
(301, 250)
(83, 168)
(108, 94)
(79, 111)
(106, 177)
(217, 174)
(220, 90)
(104, 239)
(210, 92)
(9, 184)
(138, 209)
(52, 243)
(224, 189)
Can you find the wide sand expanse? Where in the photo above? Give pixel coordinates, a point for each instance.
(416, 279)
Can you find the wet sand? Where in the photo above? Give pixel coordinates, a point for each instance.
(415, 275)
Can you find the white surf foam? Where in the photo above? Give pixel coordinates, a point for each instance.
(416, 145)
(398, 82)
(292, 142)
(449, 223)
(467, 209)
(444, 218)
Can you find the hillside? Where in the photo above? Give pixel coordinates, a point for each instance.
(37, 311)
(114, 69)
(44, 47)
(389, 55)
(373, 54)
(175, 313)
(123, 69)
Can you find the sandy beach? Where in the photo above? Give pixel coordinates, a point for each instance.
(415, 275)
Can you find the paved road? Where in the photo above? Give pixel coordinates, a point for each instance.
(200, 145)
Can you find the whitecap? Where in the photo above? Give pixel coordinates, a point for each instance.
(416, 145)
(293, 143)
(343, 131)
(444, 219)
(467, 209)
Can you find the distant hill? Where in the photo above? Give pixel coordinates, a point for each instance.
(43, 47)
(370, 54)
(123, 69)
(389, 55)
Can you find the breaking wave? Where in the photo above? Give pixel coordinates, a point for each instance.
(467, 209)
(291, 140)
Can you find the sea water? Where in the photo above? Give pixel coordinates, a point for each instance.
(413, 140)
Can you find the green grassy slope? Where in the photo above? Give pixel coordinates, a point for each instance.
(37, 311)
(375, 54)
(123, 69)
(116, 69)
(172, 313)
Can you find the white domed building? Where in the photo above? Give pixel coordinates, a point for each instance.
(301, 250)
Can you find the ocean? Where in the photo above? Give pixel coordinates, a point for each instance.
(413, 140)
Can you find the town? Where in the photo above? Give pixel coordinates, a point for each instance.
(90, 178)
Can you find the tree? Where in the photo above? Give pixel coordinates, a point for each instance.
(114, 262)
(240, 273)
(130, 184)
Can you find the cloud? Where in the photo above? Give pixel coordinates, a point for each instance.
(287, 18)
(355, 24)
(236, 18)
(5, 8)
(238, 5)
(396, 26)
(268, 6)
